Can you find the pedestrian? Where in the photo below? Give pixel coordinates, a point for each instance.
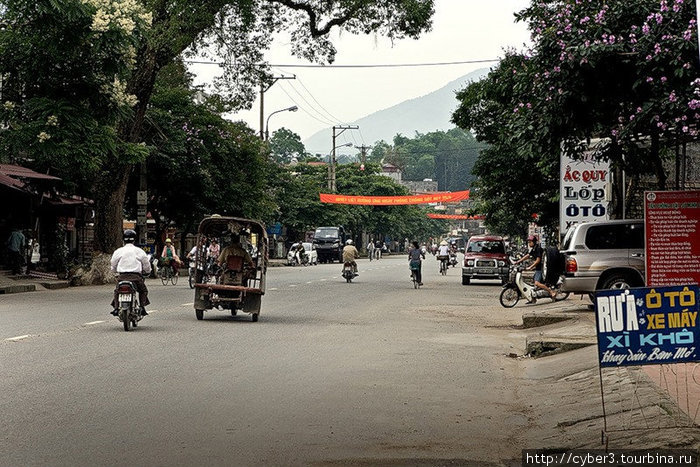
(15, 246)
(378, 250)
(370, 250)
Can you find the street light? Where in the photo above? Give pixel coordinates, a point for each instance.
(293, 108)
(331, 167)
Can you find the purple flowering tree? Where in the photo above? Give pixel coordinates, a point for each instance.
(622, 71)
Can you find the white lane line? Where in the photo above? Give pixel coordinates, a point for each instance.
(310, 282)
(292, 285)
(273, 288)
(93, 322)
(323, 280)
(18, 338)
(334, 277)
(187, 304)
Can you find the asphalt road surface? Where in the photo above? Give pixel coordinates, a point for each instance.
(368, 373)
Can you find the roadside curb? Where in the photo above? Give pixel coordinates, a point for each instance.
(19, 288)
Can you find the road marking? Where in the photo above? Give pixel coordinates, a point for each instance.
(273, 288)
(187, 304)
(323, 280)
(18, 338)
(93, 322)
(292, 285)
(310, 282)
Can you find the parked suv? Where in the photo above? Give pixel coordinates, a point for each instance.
(329, 243)
(599, 255)
(485, 258)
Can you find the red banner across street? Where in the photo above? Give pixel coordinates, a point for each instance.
(437, 197)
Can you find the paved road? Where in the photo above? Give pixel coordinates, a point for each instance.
(368, 373)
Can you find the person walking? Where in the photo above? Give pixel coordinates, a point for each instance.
(370, 250)
(15, 246)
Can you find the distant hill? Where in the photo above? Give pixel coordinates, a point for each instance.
(424, 114)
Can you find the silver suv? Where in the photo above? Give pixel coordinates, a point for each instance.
(602, 255)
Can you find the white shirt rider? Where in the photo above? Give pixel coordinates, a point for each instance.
(444, 250)
(130, 258)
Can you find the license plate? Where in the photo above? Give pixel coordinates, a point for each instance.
(124, 297)
(484, 271)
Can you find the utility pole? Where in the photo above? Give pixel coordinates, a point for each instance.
(331, 167)
(272, 80)
(363, 150)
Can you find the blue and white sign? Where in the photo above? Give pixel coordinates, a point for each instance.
(648, 326)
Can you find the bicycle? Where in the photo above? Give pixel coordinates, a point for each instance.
(443, 266)
(167, 274)
(415, 266)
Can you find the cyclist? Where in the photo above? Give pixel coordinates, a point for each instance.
(169, 256)
(414, 259)
(443, 254)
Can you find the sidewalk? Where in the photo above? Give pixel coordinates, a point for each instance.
(29, 283)
(570, 324)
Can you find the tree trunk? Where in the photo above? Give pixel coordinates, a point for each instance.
(109, 203)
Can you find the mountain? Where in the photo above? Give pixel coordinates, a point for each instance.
(424, 114)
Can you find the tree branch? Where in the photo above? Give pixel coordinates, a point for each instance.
(317, 31)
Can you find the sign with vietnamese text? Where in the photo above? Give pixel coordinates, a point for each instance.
(648, 326)
(437, 197)
(672, 223)
(583, 184)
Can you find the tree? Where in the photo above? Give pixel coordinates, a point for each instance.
(286, 145)
(622, 71)
(237, 31)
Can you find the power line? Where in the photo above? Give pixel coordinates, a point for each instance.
(380, 65)
(310, 106)
(333, 117)
(302, 107)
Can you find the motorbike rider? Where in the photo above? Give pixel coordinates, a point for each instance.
(300, 253)
(130, 262)
(349, 255)
(414, 258)
(535, 254)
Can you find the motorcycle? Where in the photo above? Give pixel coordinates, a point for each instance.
(348, 272)
(129, 309)
(453, 259)
(516, 288)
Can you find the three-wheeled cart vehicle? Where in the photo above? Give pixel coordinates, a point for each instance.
(240, 282)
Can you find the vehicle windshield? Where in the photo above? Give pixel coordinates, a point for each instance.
(486, 246)
(326, 233)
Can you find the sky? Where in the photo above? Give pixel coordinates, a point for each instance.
(463, 30)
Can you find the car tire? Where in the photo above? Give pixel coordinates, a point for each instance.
(617, 281)
(552, 265)
(466, 280)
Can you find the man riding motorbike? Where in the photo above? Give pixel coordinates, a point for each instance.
(535, 254)
(349, 255)
(130, 262)
(443, 253)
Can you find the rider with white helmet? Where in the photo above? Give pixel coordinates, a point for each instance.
(350, 253)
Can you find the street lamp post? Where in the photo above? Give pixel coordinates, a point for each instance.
(293, 108)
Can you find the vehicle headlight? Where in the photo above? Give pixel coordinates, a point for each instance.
(336, 244)
(470, 262)
(501, 264)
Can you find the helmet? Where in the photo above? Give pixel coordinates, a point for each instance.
(167, 240)
(348, 242)
(443, 243)
(129, 236)
(532, 238)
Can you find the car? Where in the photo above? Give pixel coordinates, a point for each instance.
(329, 243)
(485, 258)
(309, 249)
(597, 256)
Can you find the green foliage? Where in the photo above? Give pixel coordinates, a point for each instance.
(300, 209)
(200, 163)
(286, 145)
(446, 157)
(619, 70)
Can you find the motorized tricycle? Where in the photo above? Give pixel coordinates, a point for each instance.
(240, 284)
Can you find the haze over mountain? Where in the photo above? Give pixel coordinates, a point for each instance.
(431, 112)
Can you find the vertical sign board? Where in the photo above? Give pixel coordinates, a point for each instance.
(583, 185)
(648, 326)
(672, 223)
